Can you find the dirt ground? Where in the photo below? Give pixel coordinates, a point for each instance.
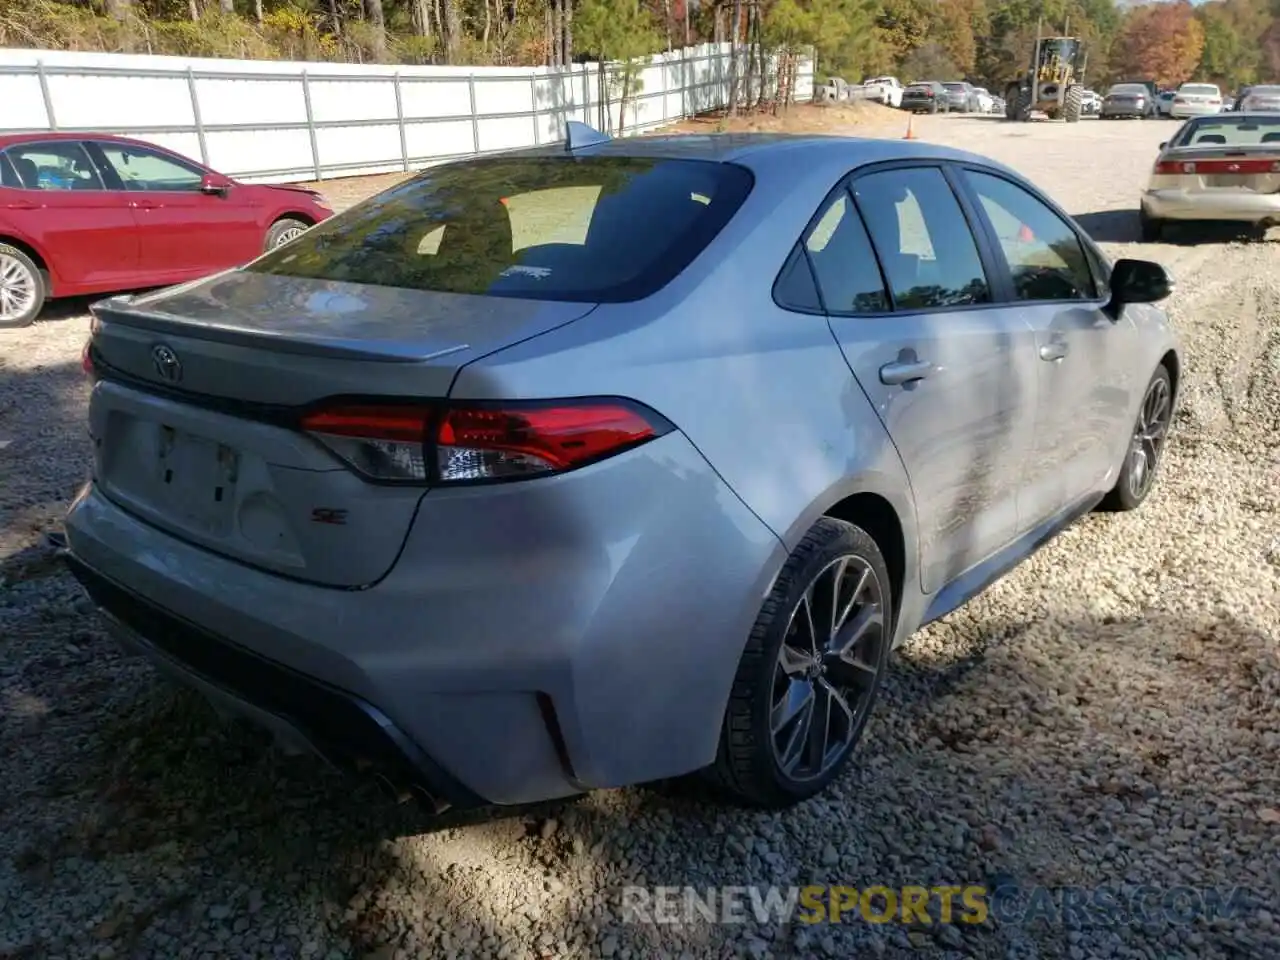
(1106, 714)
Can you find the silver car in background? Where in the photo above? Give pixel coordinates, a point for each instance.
(1127, 101)
(605, 463)
(1261, 99)
(1217, 168)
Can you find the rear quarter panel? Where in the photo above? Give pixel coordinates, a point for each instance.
(763, 393)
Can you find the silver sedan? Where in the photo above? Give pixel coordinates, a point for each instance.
(1224, 167)
(603, 463)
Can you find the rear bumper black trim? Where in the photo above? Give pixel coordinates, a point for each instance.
(349, 731)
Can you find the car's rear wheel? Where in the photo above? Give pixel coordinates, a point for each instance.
(22, 288)
(810, 672)
(1150, 228)
(282, 231)
(1146, 445)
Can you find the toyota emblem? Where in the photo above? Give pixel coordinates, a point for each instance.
(167, 364)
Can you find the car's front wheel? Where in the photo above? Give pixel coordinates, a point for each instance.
(283, 231)
(810, 672)
(22, 288)
(1146, 445)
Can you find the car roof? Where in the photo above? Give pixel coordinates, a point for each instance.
(793, 156)
(44, 136)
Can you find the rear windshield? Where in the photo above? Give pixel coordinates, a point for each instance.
(1227, 131)
(589, 229)
(1200, 89)
(954, 86)
(1128, 89)
(920, 88)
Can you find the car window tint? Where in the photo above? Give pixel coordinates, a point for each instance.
(142, 169)
(923, 240)
(1045, 257)
(586, 229)
(54, 165)
(843, 261)
(795, 288)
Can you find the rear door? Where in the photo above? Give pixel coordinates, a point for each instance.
(1086, 384)
(183, 232)
(54, 195)
(911, 305)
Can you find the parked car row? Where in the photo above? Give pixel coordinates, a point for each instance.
(957, 96)
(84, 214)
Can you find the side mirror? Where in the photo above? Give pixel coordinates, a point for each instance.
(1164, 144)
(1138, 281)
(214, 186)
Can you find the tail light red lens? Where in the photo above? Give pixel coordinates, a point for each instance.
(468, 443)
(1255, 166)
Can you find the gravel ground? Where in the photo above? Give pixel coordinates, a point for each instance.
(1107, 714)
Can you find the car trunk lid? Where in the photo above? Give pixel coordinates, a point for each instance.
(200, 388)
(1206, 169)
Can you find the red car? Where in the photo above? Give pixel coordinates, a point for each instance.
(89, 213)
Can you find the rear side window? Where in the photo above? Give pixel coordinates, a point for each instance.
(926, 248)
(589, 229)
(843, 261)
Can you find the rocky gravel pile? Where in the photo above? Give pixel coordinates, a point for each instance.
(1108, 716)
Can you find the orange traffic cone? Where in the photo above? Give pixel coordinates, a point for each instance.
(910, 135)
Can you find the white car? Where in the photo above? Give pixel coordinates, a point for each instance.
(1195, 100)
(886, 90)
(1264, 99)
(1164, 102)
(985, 100)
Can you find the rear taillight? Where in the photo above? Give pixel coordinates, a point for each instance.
(461, 443)
(1217, 166)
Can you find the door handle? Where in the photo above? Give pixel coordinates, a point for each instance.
(908, 371)
(1054, 351)
(144, 205)
(22, 205)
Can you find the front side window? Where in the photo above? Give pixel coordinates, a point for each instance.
(55, 165)
(922, 238)
(843, 261)
(1046, 259)
(143, 169)
(587, 229)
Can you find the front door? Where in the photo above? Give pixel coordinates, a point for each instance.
(57, 198)
(183, 232)
(1086, 389)
(911, 307)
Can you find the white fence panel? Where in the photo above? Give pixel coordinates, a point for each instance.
(275, 121)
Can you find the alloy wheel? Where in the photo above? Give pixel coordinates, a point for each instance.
(1149, 436)
(17, 288)
(827, 668)
(290, 234)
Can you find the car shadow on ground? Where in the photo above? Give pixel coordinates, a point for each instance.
(1121, 226)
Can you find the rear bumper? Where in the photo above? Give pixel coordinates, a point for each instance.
(534, 640)
(1182, 112)
(1114, 111)
(300, 711)
(1219, 205)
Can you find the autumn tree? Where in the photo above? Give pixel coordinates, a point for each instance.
(1163, 41)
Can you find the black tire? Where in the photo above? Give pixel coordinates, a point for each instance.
(1073, 105)
(1024, 106)
(933, 107)
(1137, 475)
(747, 767)
(20, 276)
(1011, 95)
(1150, 229)
(282, 231)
